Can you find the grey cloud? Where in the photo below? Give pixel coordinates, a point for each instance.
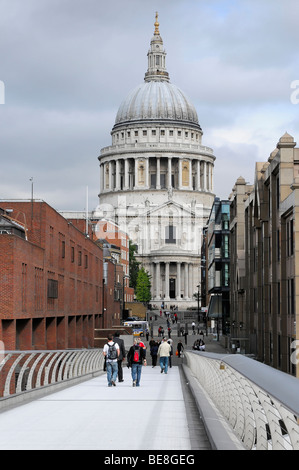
(68, 64)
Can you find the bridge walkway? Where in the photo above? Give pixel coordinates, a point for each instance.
(160, 414)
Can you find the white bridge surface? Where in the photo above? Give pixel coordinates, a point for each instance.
(93, 416)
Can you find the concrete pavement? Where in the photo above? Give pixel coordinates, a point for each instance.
(159, 415)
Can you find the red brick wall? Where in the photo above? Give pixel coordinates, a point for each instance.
(57, 250)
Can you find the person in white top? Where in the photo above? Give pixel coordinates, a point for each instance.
(164, 353)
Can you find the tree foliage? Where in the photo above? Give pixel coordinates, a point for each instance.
(143, 287)
(133, 265)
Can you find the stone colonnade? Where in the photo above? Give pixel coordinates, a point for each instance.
(156, 173)
(173, 280)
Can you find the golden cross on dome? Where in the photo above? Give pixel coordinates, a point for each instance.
(156, 25)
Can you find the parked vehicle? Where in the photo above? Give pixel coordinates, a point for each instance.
(139, 327)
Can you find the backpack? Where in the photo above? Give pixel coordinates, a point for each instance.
(136, 357)
(112, 352)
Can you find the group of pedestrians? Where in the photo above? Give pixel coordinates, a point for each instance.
(114, 354)
(164, 350)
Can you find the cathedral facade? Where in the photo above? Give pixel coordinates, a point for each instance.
(156, 181)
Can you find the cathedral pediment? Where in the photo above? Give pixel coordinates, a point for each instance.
(170, 208)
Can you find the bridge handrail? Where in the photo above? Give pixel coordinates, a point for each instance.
(26, 371)
(259, 402)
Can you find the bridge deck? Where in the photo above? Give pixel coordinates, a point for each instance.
(91, 415)
(160, 414)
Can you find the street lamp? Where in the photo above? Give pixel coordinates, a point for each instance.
(198, 302)
(123, 296)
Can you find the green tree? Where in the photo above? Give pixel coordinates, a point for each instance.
(143, 287)
(133, 265)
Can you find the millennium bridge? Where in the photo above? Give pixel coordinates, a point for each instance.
(59, 400)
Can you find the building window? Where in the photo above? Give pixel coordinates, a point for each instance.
(38, 288)
(170, 235)
(163, 181)
(144, 133)
(290, 237)
(291, 297)
(24, 286)
(52, 289)
(277, 192)
(72, 254)
(162, 132)
(153, 131)
(63, 249)
(153, 180)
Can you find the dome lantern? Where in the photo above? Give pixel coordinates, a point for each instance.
(156, 58)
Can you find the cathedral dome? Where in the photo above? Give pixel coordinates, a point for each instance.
(156, 101)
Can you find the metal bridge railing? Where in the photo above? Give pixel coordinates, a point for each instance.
(260, 403)
(26, 371)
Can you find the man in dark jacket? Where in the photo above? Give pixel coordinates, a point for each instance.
(122, 355)
(136, 359)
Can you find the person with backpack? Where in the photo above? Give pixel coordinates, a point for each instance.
(111, 352)
(136, 359)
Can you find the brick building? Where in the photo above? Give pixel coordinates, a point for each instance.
(52, 291)
(106, 232)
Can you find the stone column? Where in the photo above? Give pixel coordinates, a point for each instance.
(190, 175)
(190, 275)
(205, 176)
(136, 173)
(158, 281)
(169, 173)
(167, 281)
(110, 176)
(147, 182)
(180, 174)
(117, 175)
(178, 281)
(102, 178)
(186, 280)
(198, 187)
(158, 178)
(126, 182)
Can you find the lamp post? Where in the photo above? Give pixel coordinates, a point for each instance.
(123, 296)
(198, 302)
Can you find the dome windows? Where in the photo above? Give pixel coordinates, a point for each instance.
(156, 134)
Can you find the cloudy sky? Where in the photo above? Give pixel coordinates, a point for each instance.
(67, 65)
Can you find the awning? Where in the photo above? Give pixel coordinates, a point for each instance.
(215, 306)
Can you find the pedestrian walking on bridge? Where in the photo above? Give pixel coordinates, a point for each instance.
(164, 353)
